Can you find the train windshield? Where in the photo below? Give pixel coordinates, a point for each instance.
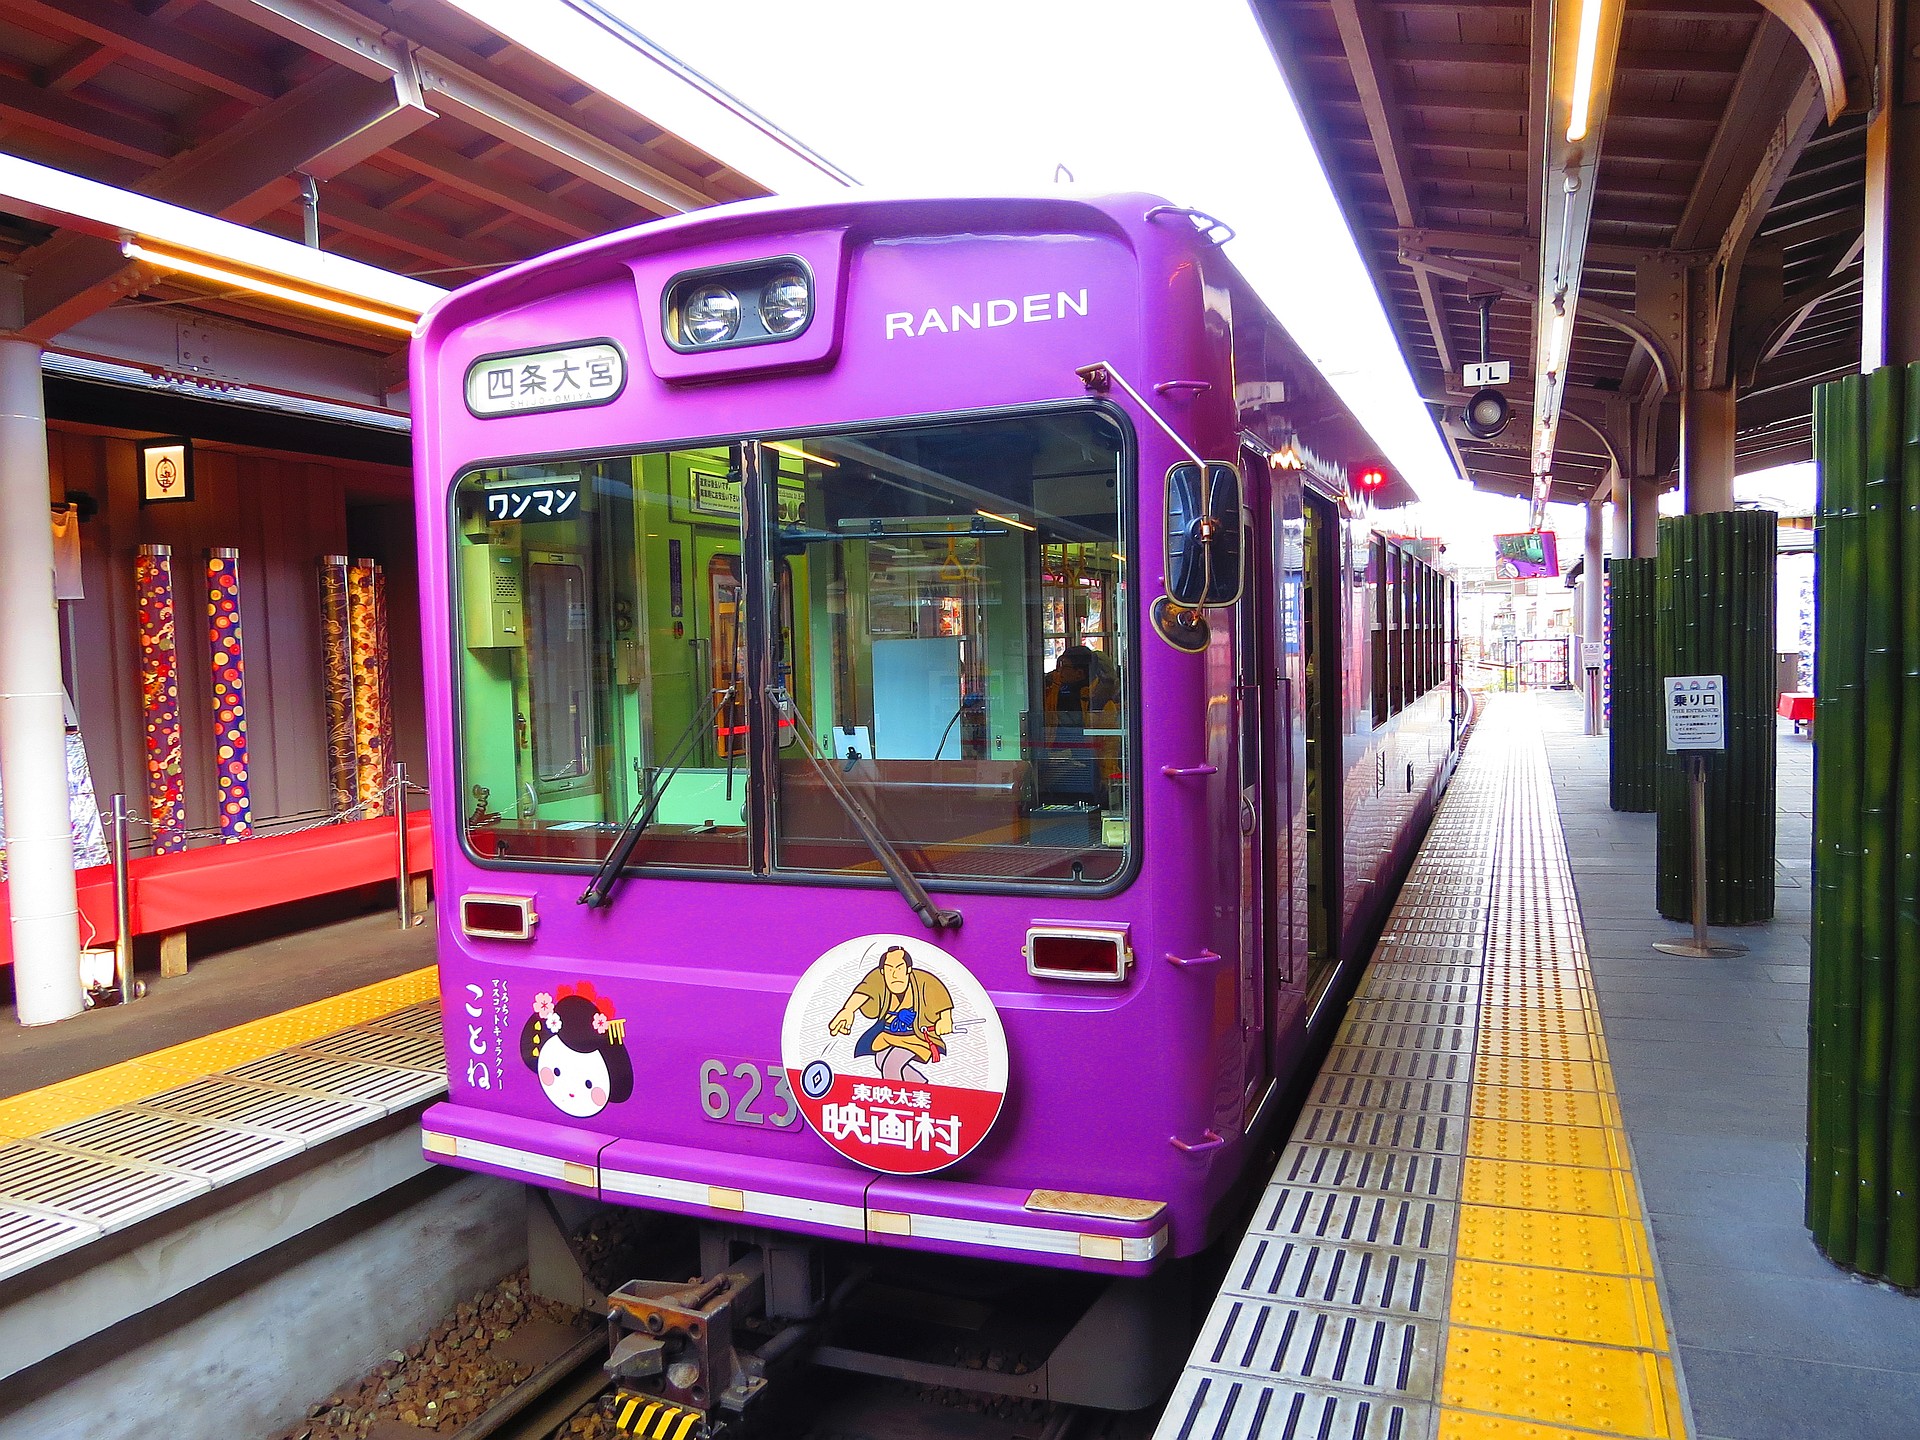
(943, 639)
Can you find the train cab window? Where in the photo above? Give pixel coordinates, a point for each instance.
(600, 663)
(963, 586)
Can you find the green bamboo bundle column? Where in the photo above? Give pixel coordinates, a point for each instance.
(1637, 735)
(1833, 1025)
(1863, 1074)
(1713, 595)
(1903, 1073)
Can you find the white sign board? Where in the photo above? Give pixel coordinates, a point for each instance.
(531, 381)
(1489, 372)
(1696, 712)
(1593, 654)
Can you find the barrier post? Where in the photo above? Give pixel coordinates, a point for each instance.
(122, 908)
(403, 892)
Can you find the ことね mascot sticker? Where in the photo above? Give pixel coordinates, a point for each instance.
(577, 1046)
(896, 1054)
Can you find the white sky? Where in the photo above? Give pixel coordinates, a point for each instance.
(1182, 99)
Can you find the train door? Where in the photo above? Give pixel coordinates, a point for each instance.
(561, 738)
(1255, 757)
(1321, 630)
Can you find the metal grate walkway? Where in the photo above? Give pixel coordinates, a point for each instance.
(1452, 1245)
(206, 1113)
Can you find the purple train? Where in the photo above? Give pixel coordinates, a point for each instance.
(923, 703)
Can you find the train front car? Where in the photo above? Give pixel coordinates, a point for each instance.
(837, 832)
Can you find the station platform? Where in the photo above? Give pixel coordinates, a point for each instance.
(1548, 1182)
(268, 1053)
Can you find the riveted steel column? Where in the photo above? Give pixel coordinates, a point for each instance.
(1644, 519)
(33, 742)
(1706, 449)
(1890, 297)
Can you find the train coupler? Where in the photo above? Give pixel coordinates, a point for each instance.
(647, 1417)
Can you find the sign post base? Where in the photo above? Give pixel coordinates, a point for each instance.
(1700, 947)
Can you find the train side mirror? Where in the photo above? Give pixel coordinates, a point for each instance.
(1204, 549)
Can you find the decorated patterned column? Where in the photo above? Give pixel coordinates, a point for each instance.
(382, 666)
(336, 642)
(229, 674)
(369, 675)
(160, 697)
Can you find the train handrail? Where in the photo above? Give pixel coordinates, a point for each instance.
(1179, 770)
(1208, 1141)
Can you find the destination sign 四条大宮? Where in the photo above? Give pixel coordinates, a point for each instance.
(536, 380)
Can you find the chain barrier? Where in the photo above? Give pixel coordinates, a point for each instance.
(353, 812)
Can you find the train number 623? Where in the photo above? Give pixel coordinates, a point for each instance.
(729, 1094)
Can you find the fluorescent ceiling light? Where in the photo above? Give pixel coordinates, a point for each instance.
(1580, 109)
(260, 285)
(1007, 520)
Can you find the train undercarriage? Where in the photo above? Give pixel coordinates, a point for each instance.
(739, 1326)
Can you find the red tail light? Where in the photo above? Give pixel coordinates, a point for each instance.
(497, 917)
(1097, 953)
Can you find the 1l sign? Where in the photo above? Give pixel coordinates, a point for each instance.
(1696, 712)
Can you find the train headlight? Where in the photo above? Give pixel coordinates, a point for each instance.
(710, 316)
(762, 302)
(786, 304)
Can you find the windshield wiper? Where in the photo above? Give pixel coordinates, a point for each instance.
(599, 891)
(936, 917)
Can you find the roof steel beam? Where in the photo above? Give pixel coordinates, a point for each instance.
(488, 107)
(322, 127)
(1584, 36)
(1365, 40)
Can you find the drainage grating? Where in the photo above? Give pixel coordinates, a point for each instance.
(1412, 1012)
(1372, 1092)
(1382, 1129)
(29, 1236)
(1302, 1212)
(110, 1194)
(1378, 1034)
(1393, 1355)
(1389, 1172)
(1387, 984)
(1399, 1064)
(222, 1099)
(420, 1019)
(409, 1052)
(1208, 1406)
(216, 1153)
(322, 1074)
(1313, 1272)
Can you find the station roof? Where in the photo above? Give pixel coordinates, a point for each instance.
(441, 149)
(1434, 122)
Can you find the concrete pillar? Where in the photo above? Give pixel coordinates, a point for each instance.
(1706, 449)
(1645, 518)
(1890, 297)
(33, 742)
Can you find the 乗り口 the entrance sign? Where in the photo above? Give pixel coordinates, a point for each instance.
(1696, 712)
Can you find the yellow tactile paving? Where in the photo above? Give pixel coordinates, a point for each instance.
(48, 1108)
(1597, 1244)
(1590, 1145)
(1555, 1325)
(1463, 1425)
(1600, 1388)
(1572, 1189)
(1557, 1304)
(1535, 1074)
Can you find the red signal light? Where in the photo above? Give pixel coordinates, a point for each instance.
(1369, 478)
